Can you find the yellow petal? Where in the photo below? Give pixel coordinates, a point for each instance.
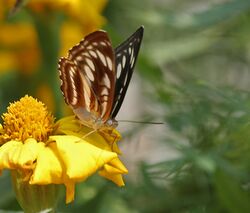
(99, 4)
(1, 129)
(70, 34)
(117, 167)
(49, 168)
(92, 18)
(105, 138)
(15, 154)
(113, 171)
(71, 126)
(80, 158)
(116, 178)
(70, 191)
(6, 151)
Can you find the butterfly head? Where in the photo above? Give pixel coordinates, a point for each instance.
(92, 120)
(109, 124)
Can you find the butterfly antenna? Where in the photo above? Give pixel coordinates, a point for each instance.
(140, 122)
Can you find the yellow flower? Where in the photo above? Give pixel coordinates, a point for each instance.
(76, 9)
(20, 49)
(44, 152)
(84, 17)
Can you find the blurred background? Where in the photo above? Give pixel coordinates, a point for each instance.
(192, 74)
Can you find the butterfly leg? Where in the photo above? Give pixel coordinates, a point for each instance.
(114, 136)
(89, 133)
(110, 137)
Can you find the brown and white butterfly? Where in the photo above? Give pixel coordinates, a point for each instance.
(95, 77)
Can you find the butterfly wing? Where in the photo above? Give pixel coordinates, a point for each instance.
(125, 59)
(88, 77)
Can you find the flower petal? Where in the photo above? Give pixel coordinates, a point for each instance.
(15, 154)
(113, 171)
(1, 129)
(6, 151)
(70, 192)
(116, 178)
(80, 158)
(49, 168)
(117, 166)
(71, 126)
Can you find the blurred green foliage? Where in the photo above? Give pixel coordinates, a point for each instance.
(194, 63)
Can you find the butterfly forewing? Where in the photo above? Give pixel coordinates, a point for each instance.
(88, 76)
(125, 58)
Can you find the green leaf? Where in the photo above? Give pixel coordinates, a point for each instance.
(231, 194)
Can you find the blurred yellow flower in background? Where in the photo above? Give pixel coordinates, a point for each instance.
(19, 48)
(42, 152)
(84, 17)
(22, 50)
(18, 40)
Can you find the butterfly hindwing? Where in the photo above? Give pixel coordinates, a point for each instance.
(125, 58)
(92, 61)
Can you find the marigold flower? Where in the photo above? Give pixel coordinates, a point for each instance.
(41, 152)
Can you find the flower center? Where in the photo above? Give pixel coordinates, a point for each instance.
(27, 118)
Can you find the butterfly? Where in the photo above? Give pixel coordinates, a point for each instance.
(95, 77)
